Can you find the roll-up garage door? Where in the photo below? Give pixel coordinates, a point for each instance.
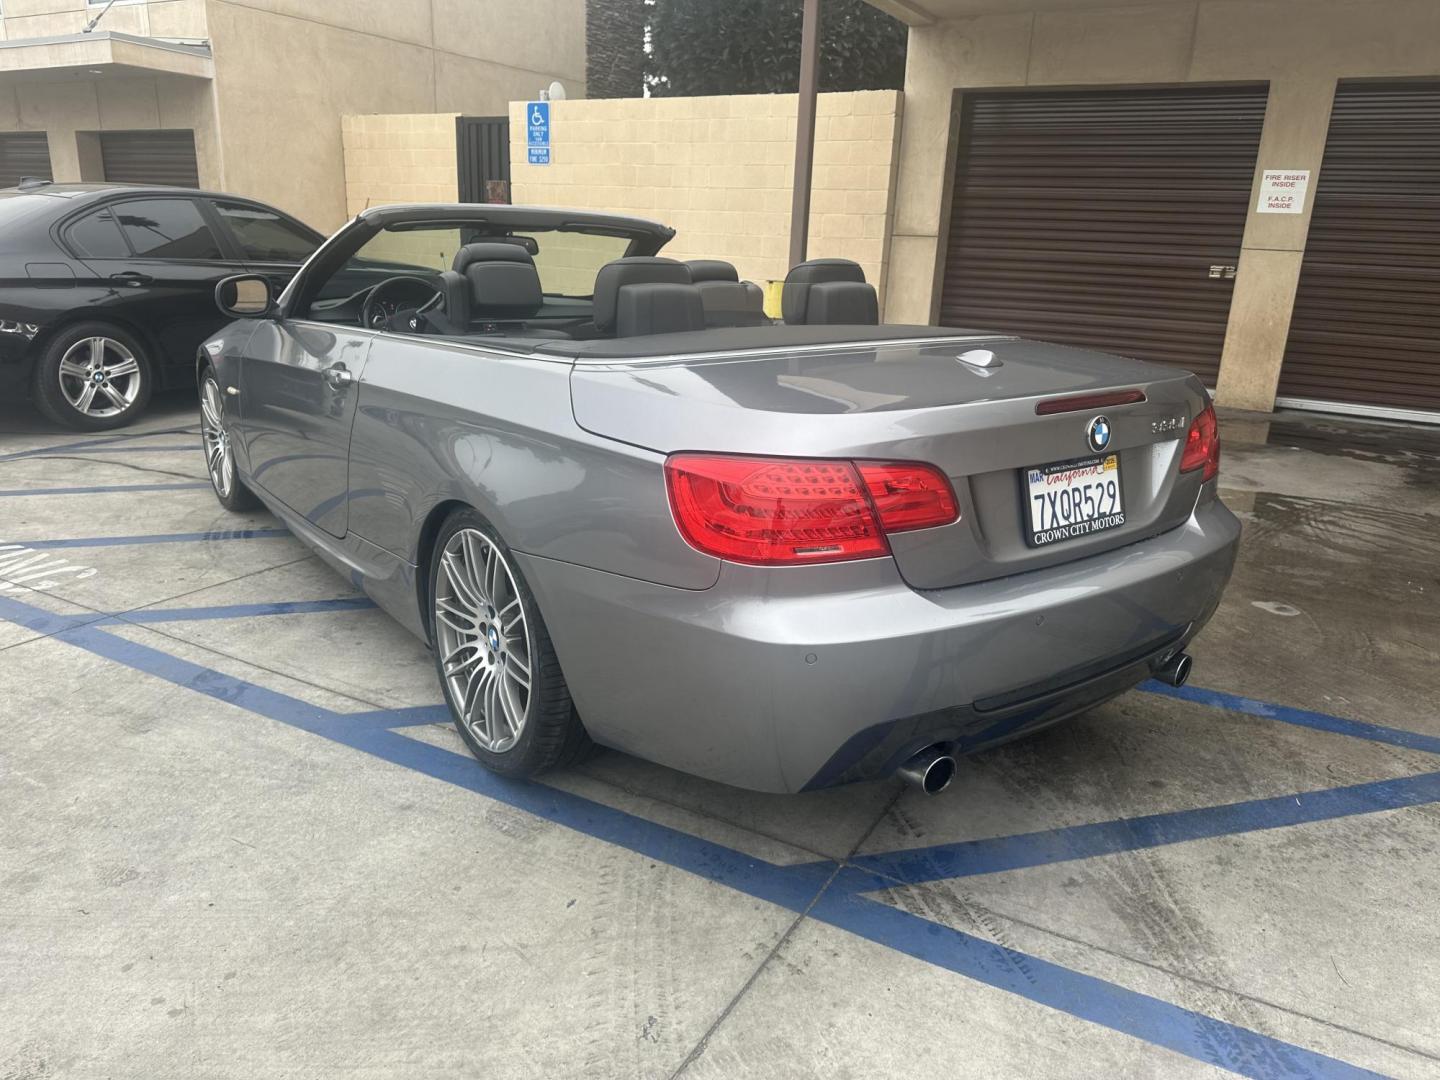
(22, 154)
(1095, 217)
(1365, 332)
(150, 157)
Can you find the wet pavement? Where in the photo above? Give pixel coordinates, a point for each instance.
(241, 841)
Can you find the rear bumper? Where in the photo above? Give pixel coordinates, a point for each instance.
(783, 680)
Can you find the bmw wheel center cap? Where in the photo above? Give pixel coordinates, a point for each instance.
(1097, 433)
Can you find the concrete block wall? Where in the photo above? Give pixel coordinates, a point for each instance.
(719, 170)
(396, 159)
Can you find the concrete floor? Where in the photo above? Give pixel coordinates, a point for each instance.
(240, 840)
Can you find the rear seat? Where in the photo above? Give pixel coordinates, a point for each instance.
(829, 292)
(646, 295)
(728, 301)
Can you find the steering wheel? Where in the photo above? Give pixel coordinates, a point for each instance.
(404, 320)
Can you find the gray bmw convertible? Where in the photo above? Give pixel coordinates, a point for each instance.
(626, 508)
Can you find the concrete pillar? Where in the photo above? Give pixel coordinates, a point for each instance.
(1297, 118)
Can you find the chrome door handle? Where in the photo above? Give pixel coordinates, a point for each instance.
(339, 376)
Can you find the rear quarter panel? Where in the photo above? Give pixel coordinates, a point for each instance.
(441, 422)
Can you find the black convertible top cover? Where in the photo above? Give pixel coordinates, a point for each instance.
(738, 338)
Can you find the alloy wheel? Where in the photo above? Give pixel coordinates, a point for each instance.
(218, 458)
(483, 640)
(99, 377)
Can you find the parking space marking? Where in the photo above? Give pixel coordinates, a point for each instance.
(1410, 740)
(829, 892)
(966, 858)
(158, 538)
(243, 611)
(101, 489)
(90, 445)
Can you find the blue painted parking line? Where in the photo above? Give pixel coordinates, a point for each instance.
(89, 445)
(155, 538)
(101, 489)
(1410, 740)
(808, 887)
(58, 451)
(244, 611)
(966, 858)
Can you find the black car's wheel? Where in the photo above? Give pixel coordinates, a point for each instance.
(493, 654)
(219, 456)
(92, 376)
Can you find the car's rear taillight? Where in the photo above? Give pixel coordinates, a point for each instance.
(1202, 445)
(793, 511)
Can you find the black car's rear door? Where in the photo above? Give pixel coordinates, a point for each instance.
(166, 284)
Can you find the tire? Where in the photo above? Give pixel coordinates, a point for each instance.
(479, 657)
(93, 376)
(215, 443)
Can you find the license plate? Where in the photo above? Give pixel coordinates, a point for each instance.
(1071, 499)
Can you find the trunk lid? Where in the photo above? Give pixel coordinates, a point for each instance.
(914, 400)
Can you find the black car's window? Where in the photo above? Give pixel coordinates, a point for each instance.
(166, 229)
(97, 236)
(266, 236)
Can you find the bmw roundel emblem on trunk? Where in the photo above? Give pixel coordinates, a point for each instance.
(1098, 433)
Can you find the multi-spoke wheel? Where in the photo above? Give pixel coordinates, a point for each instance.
(92, 376)
(219, 457)
(498, 669)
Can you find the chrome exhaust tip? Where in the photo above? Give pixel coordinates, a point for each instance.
(1176, 670)
(931, 770)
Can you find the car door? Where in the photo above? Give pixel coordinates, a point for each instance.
(299, 382)
(166, 282)
(269, 242)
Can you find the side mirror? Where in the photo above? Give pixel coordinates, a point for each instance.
(245, 296)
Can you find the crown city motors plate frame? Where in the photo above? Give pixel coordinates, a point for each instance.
(1066, 500)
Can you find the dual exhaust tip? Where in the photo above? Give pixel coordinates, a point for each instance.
(932, 768)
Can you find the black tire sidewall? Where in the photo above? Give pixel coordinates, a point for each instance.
(51, 400)
(550, 724)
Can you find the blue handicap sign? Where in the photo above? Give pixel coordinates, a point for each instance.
(539, 155)
(537, 123)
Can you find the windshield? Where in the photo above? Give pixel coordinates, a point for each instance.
(566, 260)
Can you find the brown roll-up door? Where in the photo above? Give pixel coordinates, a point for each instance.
(1093, 217)
(22, 154)
(150, 157)
(1366, 326)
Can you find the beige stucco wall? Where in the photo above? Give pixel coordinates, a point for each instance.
(286, 71)
(149, 18)
(1300, 47)
(719, 170)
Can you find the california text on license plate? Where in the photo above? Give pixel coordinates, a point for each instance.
(1070, 499)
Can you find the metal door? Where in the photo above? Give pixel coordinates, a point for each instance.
(482, 146)
(150, 157)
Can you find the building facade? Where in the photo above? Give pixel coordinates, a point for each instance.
(247, 95)
(1247, 187)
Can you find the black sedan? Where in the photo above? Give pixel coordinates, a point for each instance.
(107, 290)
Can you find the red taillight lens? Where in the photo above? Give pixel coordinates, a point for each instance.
(1202, 445)
(790, 511)
(908, 496)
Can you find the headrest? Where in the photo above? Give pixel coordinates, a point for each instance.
(659, 308)
(795, 297)
(842, 303)
(732, 303)
(711, 270)
(504, 290)
(635, 270)
(490, 251)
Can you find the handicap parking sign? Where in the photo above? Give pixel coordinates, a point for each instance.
(537, 128)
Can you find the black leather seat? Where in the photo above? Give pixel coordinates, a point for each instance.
(646, 295)
(728, 301)
(491, 282)
(829, 292)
